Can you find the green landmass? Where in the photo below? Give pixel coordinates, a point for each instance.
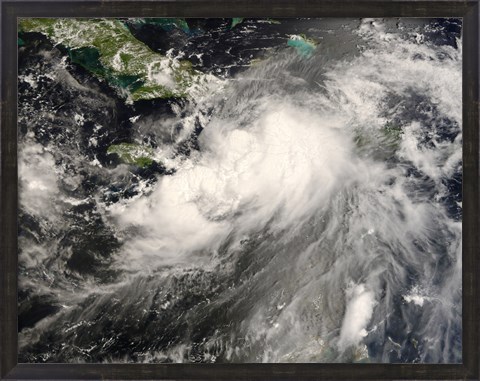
(236, 21)
(392, 131)
(273, 21)
(130, 153)
(388, 138)
(106, 48)
(392, 134)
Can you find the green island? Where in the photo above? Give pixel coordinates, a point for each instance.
(107, 49)
(236, 21)
(131, 153)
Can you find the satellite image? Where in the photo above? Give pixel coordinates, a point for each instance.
(240, 190)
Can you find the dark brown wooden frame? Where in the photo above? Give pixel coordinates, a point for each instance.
(467, 9)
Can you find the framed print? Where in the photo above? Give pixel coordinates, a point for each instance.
(237, 190)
